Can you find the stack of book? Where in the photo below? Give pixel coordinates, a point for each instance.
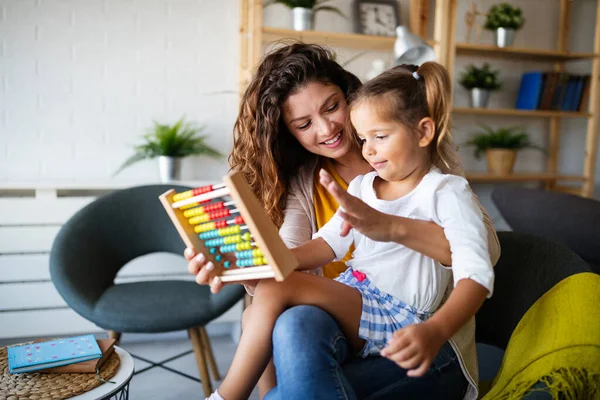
(78, 354)
(560, 91)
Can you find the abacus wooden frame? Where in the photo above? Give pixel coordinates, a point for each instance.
(281, 260)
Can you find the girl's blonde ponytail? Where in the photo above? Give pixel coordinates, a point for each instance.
(438, 97)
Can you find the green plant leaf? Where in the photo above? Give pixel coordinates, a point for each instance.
(178, 140)
(483, 78)
(504, 15)
(513, 138)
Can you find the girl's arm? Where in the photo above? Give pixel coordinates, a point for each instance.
(313, 254)
(465, 300)
(424, 237)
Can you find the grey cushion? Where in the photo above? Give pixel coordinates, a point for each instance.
(105, 235)
(571, 220)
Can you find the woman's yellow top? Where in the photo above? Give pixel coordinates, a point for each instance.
(325, 207)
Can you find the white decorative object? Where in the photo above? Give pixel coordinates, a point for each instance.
(410, 48)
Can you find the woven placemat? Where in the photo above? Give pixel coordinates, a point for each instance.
(37, 386)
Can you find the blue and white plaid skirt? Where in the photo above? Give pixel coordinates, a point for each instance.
(382, 313)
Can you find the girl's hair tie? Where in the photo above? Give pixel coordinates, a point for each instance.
(416, 76)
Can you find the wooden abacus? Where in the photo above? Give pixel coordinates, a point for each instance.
(206, 220)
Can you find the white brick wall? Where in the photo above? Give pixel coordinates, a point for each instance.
(80, 80)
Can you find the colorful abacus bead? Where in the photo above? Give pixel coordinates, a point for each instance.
(220, 232)
(210, 216)
(213, 250)
(228, 240)
(227, 264)
(249, 253)
(194, 192)
(192, 212)
(238, 220)
(249, 262)
(235, 247)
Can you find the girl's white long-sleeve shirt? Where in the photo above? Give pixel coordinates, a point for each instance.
(416, 279)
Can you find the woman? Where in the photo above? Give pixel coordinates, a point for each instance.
(292, 122)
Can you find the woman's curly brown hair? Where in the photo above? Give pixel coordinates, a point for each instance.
(264, 150)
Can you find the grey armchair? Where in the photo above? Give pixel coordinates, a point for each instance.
(100, 239)
(528, 268)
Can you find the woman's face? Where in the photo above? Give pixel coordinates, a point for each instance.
(316, 116)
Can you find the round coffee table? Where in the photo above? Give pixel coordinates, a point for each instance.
(113, 391)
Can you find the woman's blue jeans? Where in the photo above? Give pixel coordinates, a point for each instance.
(313, 361)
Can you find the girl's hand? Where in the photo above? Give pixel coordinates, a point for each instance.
(357, 214)
(414, 348)
(205, 271)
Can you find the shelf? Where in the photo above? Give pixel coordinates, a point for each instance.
(520, 113)
(353, 40)
(520, 177)
(468, 49)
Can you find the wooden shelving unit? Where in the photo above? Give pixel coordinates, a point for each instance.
(483, 50)
(557, 60)
(519, 113)
(350, 40)
(253, 36)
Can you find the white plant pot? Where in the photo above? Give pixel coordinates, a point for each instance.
(169, 169)
(504, 37)
(479, 98)
(303, 18)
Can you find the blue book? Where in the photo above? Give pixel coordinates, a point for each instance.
(53, 353)
(569, 92)
(530, 91)
(574, 106)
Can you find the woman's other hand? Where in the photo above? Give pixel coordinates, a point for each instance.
(205, 271)
(357, 214)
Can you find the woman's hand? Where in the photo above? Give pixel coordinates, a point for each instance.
(358, 215)
(415, 347)
(205, 273)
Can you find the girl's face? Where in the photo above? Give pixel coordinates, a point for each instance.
(316, 116)
(392, 149)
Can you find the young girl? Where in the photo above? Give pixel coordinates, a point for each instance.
(384, 302)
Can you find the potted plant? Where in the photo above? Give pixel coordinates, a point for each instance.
(480, 82)
(170, 144)
(303, 11)
(500, 147)
(504, 19)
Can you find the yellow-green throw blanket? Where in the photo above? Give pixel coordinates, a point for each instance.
(556, 342)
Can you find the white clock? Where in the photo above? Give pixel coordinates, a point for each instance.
(377, 17)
